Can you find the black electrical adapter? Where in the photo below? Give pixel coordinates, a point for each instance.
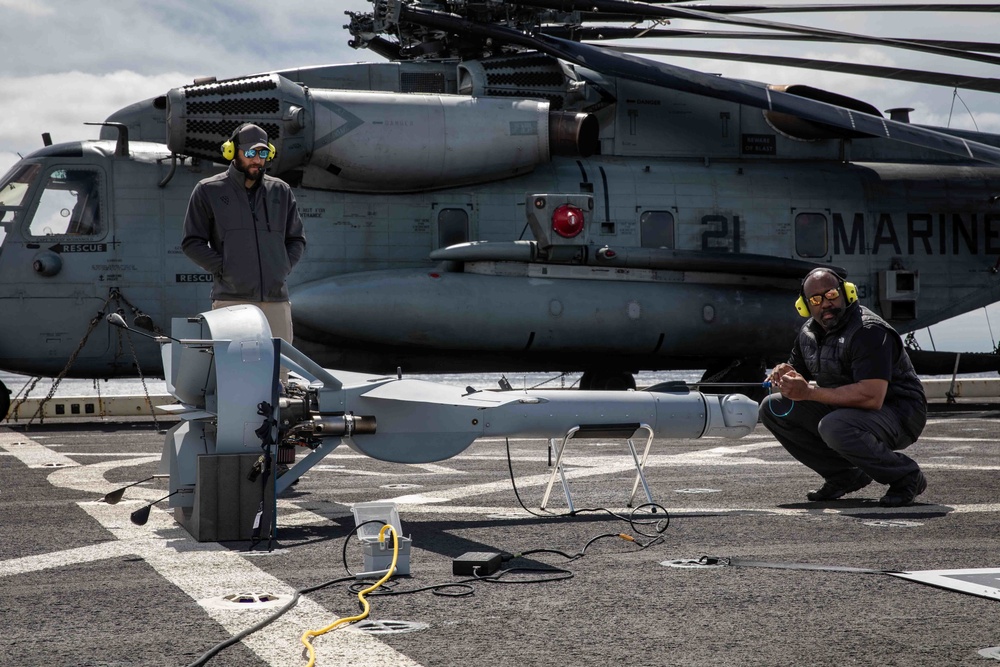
(476, 563)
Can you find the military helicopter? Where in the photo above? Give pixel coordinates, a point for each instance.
(503, 195)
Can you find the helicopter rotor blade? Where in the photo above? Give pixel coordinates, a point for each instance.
(983, 84)
(699, 83)
(805, 9)
(607, 33)
(644, 10)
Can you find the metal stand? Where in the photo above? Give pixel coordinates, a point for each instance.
(950, 394)
(626, 431)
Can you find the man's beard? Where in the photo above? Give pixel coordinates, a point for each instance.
(838, 317)
(253, 176)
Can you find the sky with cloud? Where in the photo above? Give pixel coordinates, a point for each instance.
(67, 62)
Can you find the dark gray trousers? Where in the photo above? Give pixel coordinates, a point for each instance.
(835, 441)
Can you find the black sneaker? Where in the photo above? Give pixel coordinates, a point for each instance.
(831, 490)
(904, 490)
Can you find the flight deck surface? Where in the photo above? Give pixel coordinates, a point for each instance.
(82, 586)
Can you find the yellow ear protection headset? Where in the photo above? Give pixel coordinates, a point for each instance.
(849, 291)
(229, 148)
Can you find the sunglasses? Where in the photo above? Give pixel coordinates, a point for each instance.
(257, 152)
(817, 299)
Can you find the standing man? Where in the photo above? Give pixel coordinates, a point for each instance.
(243, 227)
(867, 402)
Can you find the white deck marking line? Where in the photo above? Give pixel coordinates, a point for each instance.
(948, 439)
(83, 455)
(202, 570)
(439, 469)
(348, 471)
(207, 571)
(579, 467)
(32, 454)
(88, 554)
(90, 478)
(675, 512)
(984, 582)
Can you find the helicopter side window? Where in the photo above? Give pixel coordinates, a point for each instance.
(656, 229)
(810, 235)
(70, 205)
(14, 191)
(453, 227)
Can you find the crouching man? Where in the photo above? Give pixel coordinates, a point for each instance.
(867, 402)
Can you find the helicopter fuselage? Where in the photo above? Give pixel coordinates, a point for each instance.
(428, 194)
(367, 295)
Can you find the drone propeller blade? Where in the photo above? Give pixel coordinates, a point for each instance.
(141, 515)
(115, 496)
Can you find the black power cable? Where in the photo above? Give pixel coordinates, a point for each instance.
(215, 650)
(218, 648)
(464, 585)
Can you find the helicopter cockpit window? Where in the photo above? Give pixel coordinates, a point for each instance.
(656, 229)
(70, 205)
(810, 235)
(453, 227)
(14, 191)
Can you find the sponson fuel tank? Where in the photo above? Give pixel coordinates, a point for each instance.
(541, 312)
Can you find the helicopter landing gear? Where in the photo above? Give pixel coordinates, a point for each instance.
(607, 381)
(747, 376)
(4, 401)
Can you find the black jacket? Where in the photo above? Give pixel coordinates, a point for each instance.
(825, 356)
(249, 241)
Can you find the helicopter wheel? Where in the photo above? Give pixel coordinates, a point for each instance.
(4, 401)
(746, 374)
(607, 381)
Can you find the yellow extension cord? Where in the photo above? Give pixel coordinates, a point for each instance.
(308, 634)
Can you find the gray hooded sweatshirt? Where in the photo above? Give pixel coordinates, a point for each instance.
(248, 240)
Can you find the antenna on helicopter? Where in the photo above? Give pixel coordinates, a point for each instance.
(121, 148)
